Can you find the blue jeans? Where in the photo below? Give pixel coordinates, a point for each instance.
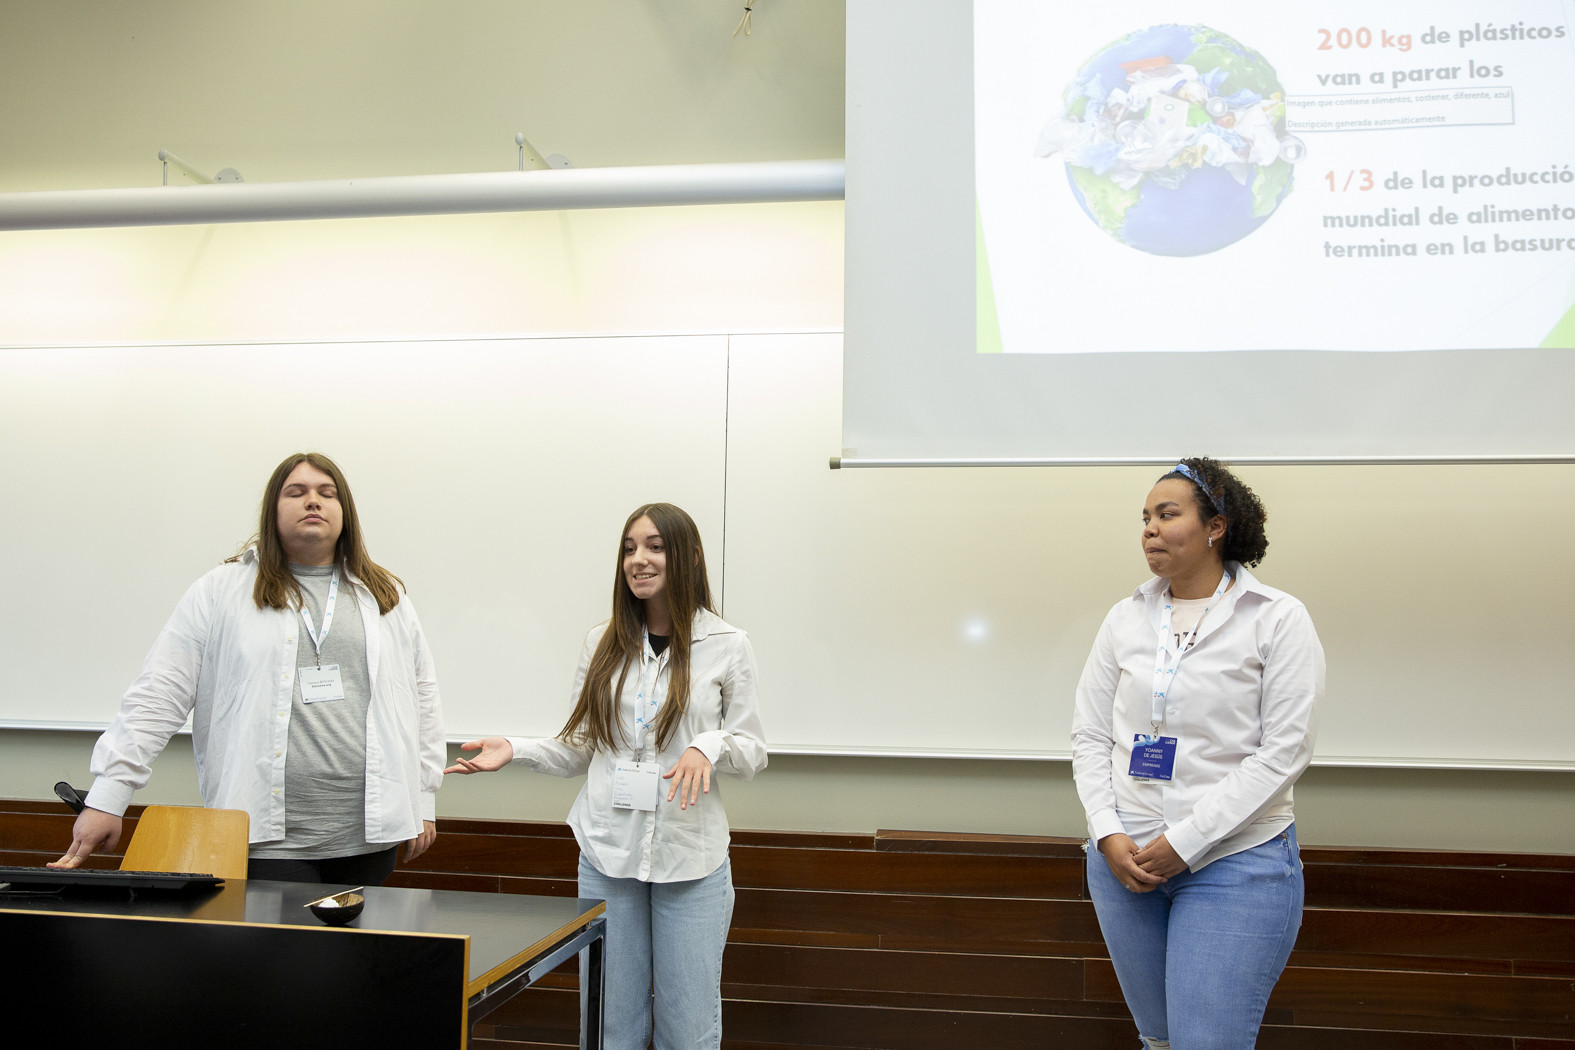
(1198, 956)
(683, 926)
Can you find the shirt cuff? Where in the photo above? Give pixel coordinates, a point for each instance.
(708, 744)
(428, 806)
(1103, 824)
(1186, 841)
(110, 796)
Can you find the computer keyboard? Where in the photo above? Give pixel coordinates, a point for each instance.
(42, 878)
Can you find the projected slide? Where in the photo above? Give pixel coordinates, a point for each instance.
(1247, 176)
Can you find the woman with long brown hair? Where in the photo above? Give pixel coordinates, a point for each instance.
(664, 697)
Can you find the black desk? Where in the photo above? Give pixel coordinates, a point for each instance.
(248, 966)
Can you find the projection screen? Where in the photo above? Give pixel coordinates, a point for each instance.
(1318, 232)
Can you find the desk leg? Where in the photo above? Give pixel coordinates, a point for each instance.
(591, 1022)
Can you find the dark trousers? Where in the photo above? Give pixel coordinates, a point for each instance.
(366, 869)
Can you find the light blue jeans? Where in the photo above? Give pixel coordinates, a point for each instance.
(682, 927)
(1198, 956)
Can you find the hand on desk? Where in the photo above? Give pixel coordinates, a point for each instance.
(496, 753)
(94, 832)
(419, 845)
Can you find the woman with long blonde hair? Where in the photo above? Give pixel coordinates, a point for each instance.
(664, 697)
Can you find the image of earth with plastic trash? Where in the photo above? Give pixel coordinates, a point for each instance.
(1174, 140)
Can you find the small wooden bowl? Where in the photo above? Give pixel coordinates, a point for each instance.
(340, 908)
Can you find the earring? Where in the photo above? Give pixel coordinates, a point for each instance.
(1211, 541)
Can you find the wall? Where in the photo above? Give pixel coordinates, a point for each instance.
(1492, 810)
(754, 268)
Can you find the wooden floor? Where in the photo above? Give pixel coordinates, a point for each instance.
(915, 941)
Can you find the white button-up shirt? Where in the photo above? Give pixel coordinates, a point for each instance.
(231, 666)
(1240, 705)
(722, 721)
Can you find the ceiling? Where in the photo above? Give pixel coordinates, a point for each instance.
(286, 90)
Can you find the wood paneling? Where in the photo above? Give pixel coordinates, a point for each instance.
(915, 973)
(34, 832)
(1459, 935)
(878, 871)
(912, 940)
(918, 921)
(979, 845)
(1432, 881)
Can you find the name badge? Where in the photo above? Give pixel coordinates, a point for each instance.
(321, 683)
(1153, 757)
(636, 785)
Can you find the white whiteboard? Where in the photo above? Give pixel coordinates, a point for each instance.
(491, 475)
(928, 611)
(950, 610)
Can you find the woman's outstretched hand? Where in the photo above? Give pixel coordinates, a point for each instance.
(496, 753)
(691, 777)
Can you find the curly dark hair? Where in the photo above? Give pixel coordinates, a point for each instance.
(1245, 540)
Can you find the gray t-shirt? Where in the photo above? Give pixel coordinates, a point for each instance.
(325, 764)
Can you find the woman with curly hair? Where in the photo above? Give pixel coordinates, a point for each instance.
(1194, 718)
(664, 697)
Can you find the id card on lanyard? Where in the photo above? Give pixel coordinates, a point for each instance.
(1154, 754)
(319, 683)
(637, 784)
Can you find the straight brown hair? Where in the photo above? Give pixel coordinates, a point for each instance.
(276, 587)
(594, 721)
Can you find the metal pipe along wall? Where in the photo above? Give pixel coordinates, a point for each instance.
(552, 190)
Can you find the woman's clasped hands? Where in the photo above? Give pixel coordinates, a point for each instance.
(1140, 869)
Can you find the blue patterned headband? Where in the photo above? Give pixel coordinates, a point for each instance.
(1197, 479)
